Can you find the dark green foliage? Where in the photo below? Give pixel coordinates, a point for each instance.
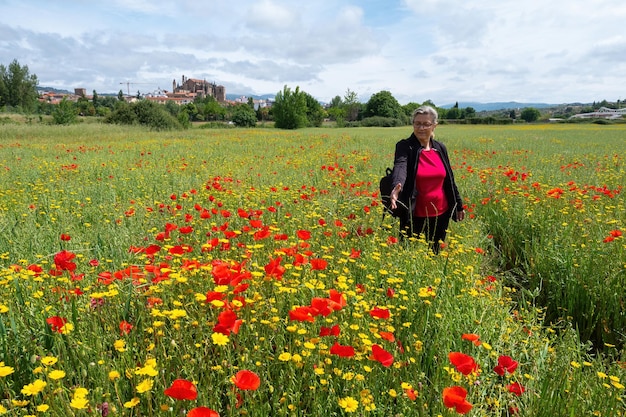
(290, 109)
(145, 113)
(314, 111)
(378, 121)
(383, 104)
(18, 88)
(64, 113)
(244, 116)
(530, 114)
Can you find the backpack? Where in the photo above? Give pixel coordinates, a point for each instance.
(386, 187)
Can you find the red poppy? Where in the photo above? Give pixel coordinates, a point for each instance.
(388, 336)
(390, 292)
(330, 331)
(274, 269)
(342, 350)
(63, 261)
(56, 323)
(379, 313)
(125, 327)
(247, 380)
(465, 364)
(319, 306)
(302, 314)
(516, 388)
(202, 412)
(65, 237)
(381, 355)
(181, 389)
(454, 397)
(474, 338)
(411, 393)
(505, 364)
(318, 264)
(303, 234)
(337, 298)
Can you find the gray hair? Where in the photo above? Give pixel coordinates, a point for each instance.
(426, 110)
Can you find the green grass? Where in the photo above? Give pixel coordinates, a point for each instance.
(534, 276)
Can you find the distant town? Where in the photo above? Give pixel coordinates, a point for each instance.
(184, 92)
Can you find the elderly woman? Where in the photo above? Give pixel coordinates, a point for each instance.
(425, 193)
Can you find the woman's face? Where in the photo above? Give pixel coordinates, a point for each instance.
(423, 127)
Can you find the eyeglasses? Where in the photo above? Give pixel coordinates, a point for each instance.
(426, 125)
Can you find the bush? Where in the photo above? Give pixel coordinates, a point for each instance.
(379, 121)
(244, 116)
(145, 113)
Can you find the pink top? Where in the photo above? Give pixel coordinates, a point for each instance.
(431, 200)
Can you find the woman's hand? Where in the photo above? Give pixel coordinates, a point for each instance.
(395, 193)
(460, 215)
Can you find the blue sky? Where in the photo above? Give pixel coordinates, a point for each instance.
(559, 51)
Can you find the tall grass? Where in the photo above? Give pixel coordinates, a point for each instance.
(199, 254)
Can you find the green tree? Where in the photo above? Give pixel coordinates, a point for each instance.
(409, 108)
(469, 113)
(64, 113)
(244, 116)
(120, 95)
(18, 88)
(384, 104)
(352, 105)
(530, 114)
(314, 111)
(289, 109)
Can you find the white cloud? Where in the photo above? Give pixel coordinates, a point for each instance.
(444, 50)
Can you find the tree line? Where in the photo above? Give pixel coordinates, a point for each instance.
(292, 108)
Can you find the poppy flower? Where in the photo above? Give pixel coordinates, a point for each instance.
(202, 412)
(302, 314)
(411, 394)
(247, 380)
(344, 351)
(65, 237)
(474, 338)
(125, 327)
(330, 331)
(388, 336)
(318, 264)
(379, 313)
(454, 397)
(56, 323)
(463, 363)
(381, 355)
(338, 301)
(303, 234)
(505, 364)
(181, 389)
(63, 261)
(516, 388)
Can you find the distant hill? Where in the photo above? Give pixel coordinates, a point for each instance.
(254, 96)
(499, 105)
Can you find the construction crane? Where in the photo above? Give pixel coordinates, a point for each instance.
(128, 84)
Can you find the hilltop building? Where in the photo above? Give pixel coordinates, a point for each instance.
(199, 88)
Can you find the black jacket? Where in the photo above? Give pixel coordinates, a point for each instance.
(405, 170)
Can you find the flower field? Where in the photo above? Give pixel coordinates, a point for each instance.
(251, 273)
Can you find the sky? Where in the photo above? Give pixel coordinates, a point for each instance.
(446, 51)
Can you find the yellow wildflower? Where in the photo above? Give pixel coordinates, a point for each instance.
(348, 404)
(219, 339)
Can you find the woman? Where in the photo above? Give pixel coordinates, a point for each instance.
(425, 192)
